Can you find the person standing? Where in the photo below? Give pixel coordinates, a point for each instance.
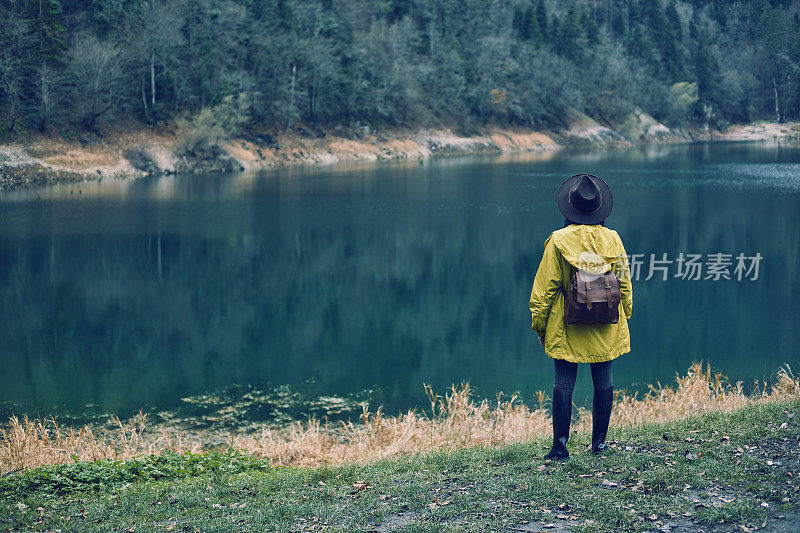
(577, 258)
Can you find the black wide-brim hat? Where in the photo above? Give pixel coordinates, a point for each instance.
(585, 199)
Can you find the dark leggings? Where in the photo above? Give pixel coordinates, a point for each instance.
(566, 373)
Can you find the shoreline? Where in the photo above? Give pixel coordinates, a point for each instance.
(134, 153)
(715, 471)
(319, 436)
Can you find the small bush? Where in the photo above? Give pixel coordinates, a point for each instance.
(214, 124)
(142, 159)
(682, 98)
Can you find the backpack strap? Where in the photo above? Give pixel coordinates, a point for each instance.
(607, 279)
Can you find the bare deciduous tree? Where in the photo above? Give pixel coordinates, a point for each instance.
(155, 38)
(95, 73)
(15, 42)
(49, 95)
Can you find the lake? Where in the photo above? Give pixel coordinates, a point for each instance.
(123, 295)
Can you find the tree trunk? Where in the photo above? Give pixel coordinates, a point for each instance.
(144, 99)
(777, 108)
(291, 96)
(785, 107)
(153, 78)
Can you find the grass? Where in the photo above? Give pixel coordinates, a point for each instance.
(454, 419)
(455, 469)
(738, 467)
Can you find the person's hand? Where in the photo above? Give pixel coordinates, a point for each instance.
(541, 340)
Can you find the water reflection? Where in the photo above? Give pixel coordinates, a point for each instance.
(134, 294)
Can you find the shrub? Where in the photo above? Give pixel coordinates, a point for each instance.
(682, 99)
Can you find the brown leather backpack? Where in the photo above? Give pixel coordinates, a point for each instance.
(592, 299)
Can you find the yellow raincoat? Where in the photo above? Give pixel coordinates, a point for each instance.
(565, 248)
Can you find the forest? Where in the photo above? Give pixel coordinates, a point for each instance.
(269, 65)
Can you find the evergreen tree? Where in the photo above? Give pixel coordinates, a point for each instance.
(569, 37)
(636, 45)
(554, 29)
(710, 87)
(665, 39)
(526, 25)
(315, 63)
(618, 24)
(694, 26)
(590, 29)
(794, 58)
(719, 10)
(674, 21)
(518, 22)
(47, 28)
(542, 19)
(533, 30)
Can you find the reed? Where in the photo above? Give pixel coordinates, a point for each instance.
(29, 443)
(454, 419)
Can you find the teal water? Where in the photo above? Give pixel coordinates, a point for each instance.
(123, 295)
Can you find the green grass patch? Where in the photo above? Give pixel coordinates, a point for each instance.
(96, 475)
(735, 468)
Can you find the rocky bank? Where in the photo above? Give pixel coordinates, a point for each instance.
(139, 152)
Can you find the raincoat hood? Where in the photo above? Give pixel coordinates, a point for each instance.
(590, 248)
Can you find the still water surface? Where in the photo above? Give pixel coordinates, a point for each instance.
(124, 295)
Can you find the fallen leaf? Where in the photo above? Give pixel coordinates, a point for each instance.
(361, 485)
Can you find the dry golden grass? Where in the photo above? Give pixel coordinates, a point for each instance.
(511, 141)
(453, 420)
(31, 443)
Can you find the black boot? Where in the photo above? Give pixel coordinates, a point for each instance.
(601, 414)
(562, 413)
